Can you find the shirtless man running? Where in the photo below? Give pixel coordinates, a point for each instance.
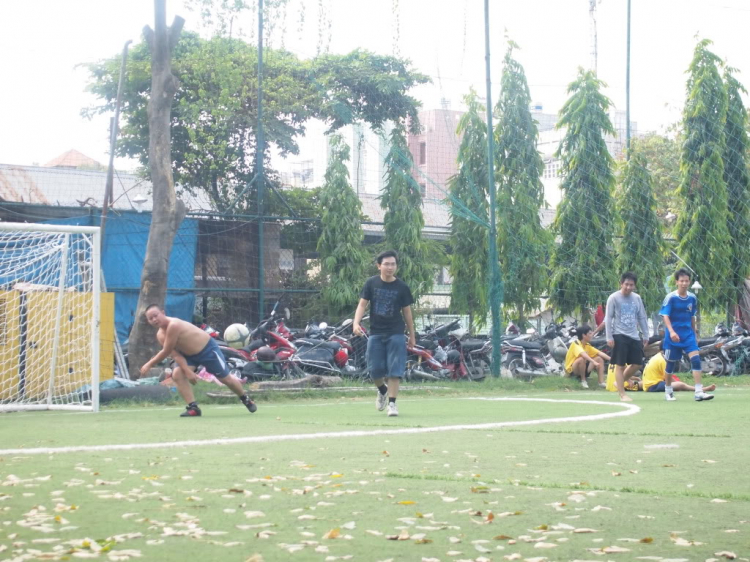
(190, 346)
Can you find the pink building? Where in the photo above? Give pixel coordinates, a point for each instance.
(434, 151)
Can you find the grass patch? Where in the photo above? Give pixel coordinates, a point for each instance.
(677, 467)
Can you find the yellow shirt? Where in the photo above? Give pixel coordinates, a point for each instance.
(612, 383)
(575, 349)
(655, 371)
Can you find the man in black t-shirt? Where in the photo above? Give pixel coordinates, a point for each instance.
(389, 298)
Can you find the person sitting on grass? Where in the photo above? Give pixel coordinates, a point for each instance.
(655, 373)
(582, 358)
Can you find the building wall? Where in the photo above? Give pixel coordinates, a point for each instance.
(435, 150)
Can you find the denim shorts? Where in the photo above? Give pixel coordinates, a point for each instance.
(386, 356)
(211, 358)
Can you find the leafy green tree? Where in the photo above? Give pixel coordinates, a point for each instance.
(701, 229)
(523, 244)
(642, 245)
(403, 221)
(662, 154)
(214, 112)
(737, 179)
(583, 265)
(469, 216)
(343, 259)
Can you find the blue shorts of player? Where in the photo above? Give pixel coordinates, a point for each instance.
(386, 356)
(673, 350)
(211, 358)
(658, 387)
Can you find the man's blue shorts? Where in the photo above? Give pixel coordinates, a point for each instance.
(673, 350)
(658, 387)
(211, 358)
(386, 356)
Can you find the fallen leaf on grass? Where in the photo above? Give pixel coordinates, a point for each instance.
(585, 530)
(454, 540)
(448, 500)
(679, 541)
(254, 514)
(717, 500)
(332, 534)
(422, 541)
(264, 534)
(726, 554)
(502, 538)
(545, 545)
(647, 540)
(615, 473)
(255, 558)
(514, 556)
(406, 502)
(609, 550)
(708, 461)
(402, 536)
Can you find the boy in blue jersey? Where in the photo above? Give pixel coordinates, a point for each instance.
(679, 309)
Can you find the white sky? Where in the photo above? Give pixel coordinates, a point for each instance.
(42, 93)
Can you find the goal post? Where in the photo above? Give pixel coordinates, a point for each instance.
(49, 317)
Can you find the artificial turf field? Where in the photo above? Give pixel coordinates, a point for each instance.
(329, 479)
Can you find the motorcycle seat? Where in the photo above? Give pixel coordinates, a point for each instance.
(472, 344)
(525, 344)
(332, 345)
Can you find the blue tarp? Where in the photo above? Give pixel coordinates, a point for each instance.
(123, 253)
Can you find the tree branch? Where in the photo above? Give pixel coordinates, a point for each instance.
(174, 32)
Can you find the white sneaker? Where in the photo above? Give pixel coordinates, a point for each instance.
(701, 396)
(381, 401)
(584, 384)
(670, 397)
(602, 385)
(392, 409)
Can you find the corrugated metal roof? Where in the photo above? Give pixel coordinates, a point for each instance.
(80, 188)
(85, 188)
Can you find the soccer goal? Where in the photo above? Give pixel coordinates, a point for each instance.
(49, 317)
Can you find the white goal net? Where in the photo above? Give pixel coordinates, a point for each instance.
(49, 317)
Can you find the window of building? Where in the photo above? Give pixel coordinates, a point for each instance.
(551, 169)
(422, 153)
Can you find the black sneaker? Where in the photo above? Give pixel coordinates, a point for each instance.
(191, 412)
(250, 405)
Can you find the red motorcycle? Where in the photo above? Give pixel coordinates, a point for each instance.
(270, 331)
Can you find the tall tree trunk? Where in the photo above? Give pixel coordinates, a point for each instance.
(168, 212)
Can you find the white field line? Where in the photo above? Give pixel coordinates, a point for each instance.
(628, 409)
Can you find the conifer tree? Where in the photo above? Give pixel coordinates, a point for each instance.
(583, 265)
(738, 183)
(343, 259)
(403, 221)
(523, 244)
(469, 216)
(701, 229)
(642, 245)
